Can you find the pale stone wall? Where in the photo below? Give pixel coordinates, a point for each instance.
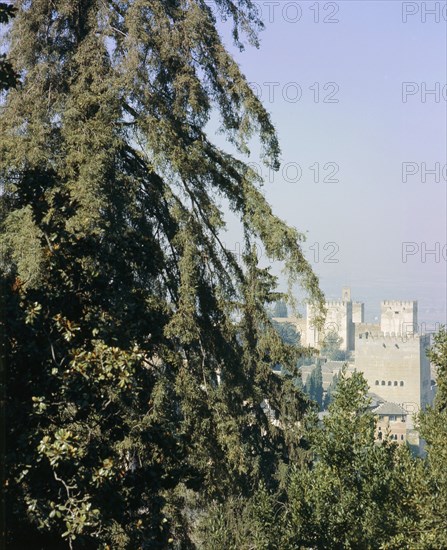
(338, 319)
(363, 328)
(395, 430)
(391, 355)
(312, 337)
(299, 324)
(358, 312)
(398, 318)
(396, 368)
(346, 294)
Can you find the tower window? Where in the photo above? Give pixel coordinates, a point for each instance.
(389, 382)
(383, 382)
(395, 382)
(401, 383)
(377, 382)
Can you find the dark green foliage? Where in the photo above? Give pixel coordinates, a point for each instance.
(287, 333)
(438, 357)
(133, 395)
(314, 386)
(138, 353)
(8, 77)
(280, 309)
(330, 347)
(345, 491)
(342, 501)
(330, 393)
(359, 494)
(243, 525)
(431, 497)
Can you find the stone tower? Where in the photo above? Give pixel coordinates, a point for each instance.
(396, 368)
(358, 312)
(398, 318)
(338, 320)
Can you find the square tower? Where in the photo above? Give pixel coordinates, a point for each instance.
(396, 368)
(346, 294)
(398, 318)
(358, 312)
(338, 320)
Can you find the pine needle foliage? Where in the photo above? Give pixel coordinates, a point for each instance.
(429, 494)
(8, 77)
(138, 350)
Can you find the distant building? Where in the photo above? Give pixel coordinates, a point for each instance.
(342, 318)
(358, 312)
(346, 294)
(372, 329)
(396, 368)
(398, 318)
(338, 320)
(299, 325)
(328, 371)
(390, 354)
(391, 423)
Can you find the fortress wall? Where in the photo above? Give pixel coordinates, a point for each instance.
(299, 324)
(396, 368)
(358, 312)
(370, 328)
(398, 317)
(338, 319)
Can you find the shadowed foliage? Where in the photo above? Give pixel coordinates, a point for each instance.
(138, 349)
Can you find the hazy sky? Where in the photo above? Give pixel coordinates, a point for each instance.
(352, 100)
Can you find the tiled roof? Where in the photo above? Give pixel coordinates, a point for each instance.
(387, 408)
(376, 400)
(334, 364)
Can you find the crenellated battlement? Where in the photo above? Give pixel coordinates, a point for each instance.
(398, 322)
(398, 317)
(391, 337)
(391, 353)
(409, 303)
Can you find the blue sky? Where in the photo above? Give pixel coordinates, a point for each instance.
(301, 69)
